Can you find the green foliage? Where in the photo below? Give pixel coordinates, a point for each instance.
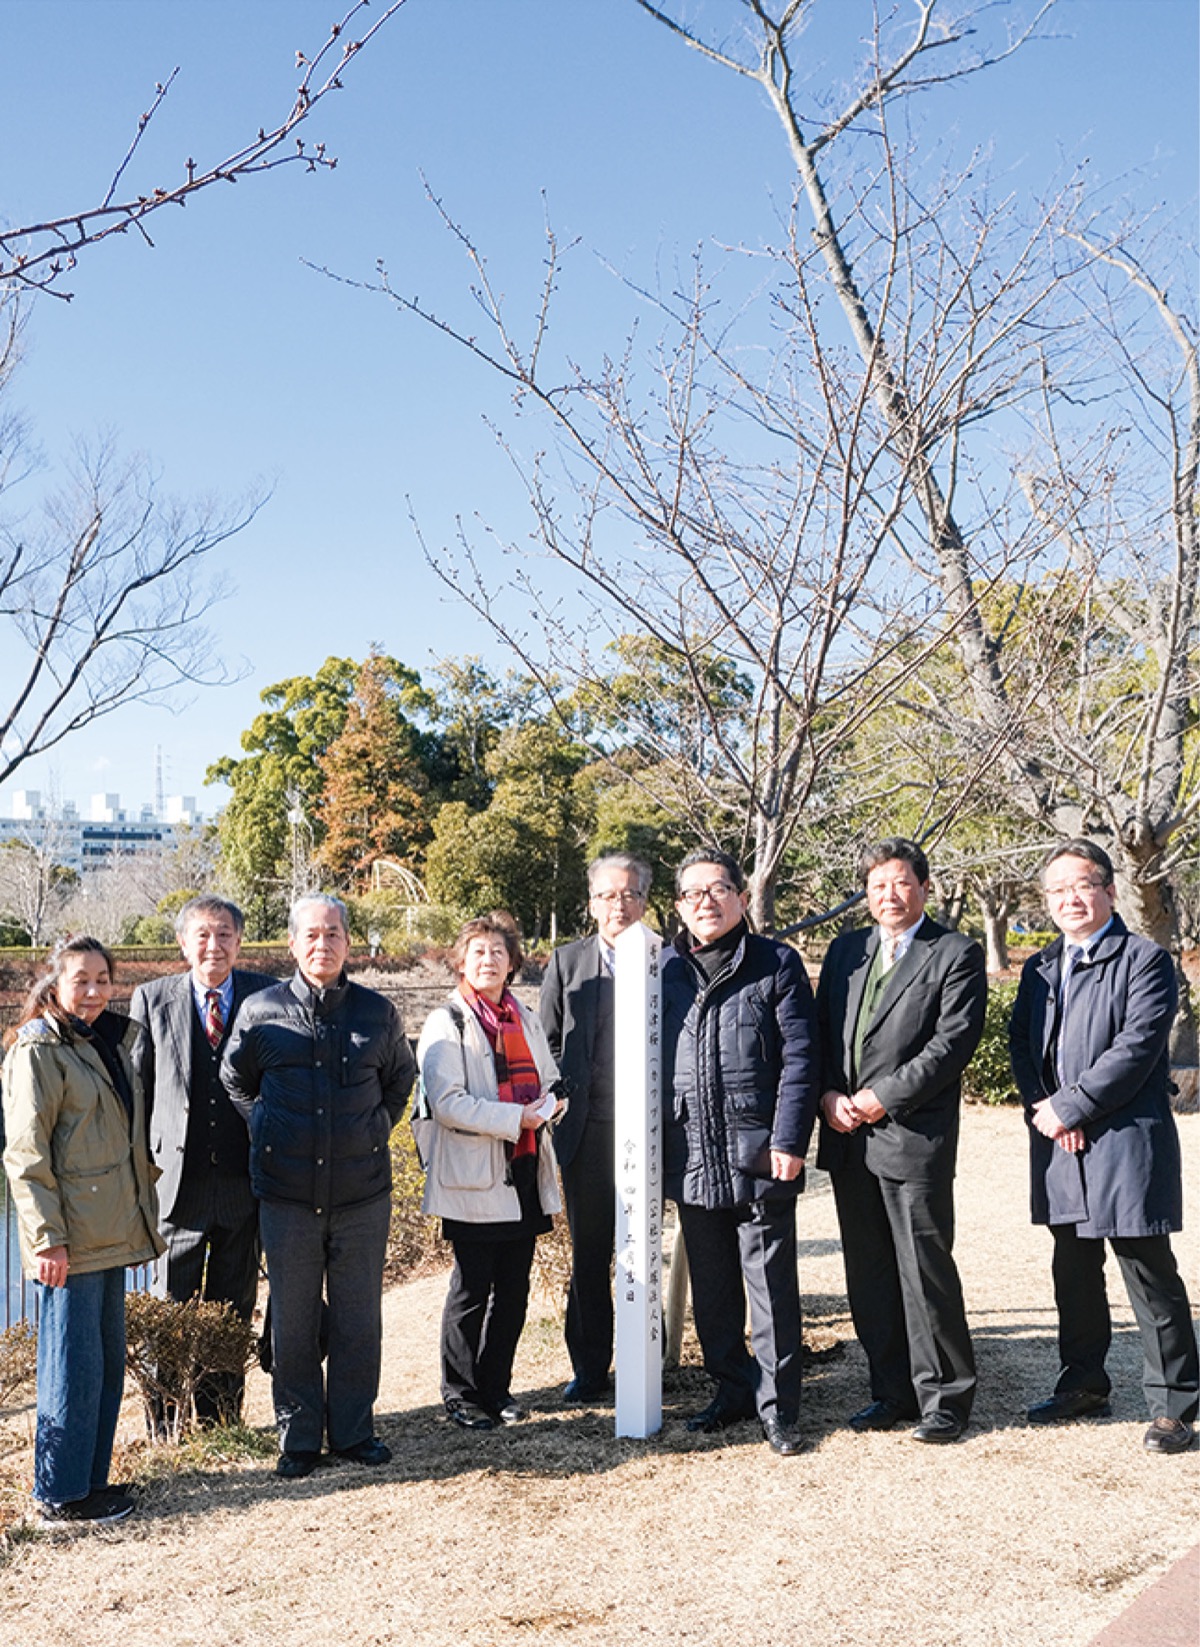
(171, 1346)
(989, 1077)
(150, 930)
(526, 852)
(279, 773)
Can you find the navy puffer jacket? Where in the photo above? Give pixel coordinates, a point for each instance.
(321, 1077)
(740, 1072)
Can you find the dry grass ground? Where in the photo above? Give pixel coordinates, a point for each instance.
(553, 1531)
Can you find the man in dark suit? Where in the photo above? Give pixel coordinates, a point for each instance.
(207, 1214)
(1089, 1040)
(900, 1007)
(577, 1014)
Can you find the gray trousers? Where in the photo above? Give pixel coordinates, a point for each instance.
(337, 1254)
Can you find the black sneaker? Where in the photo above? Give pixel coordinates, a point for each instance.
(295, 1466)
(98, 1509)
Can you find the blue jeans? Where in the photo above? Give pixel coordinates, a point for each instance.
(80, 1379)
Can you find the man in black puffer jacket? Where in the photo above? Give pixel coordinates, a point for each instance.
(320, 1068)
(740, 1069)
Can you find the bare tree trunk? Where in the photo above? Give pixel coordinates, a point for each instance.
(1149, 907)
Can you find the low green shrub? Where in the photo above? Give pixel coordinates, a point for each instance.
(989, 1078)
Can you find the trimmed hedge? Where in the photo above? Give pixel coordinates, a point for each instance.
(989, 1078)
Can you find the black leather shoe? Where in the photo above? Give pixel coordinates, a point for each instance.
(512, 1412)
(719, 1415)
(581, 1394)
(469, 1417)
(782, 1437)
(295, 1466)
(880, 1415)
(1168, 1435)
(1059, 1409)
(371, 1451)
(939, 1427)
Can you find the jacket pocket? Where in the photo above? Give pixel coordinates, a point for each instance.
(752, 1118)
(468, 1161)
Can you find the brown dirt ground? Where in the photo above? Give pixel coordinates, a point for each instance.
(555, 1531)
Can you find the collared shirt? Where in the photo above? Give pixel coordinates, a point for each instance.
(608, 956)
(1083, 946)
(200, 996)
(901, 941)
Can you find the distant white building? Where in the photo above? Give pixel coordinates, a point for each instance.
(108, 832)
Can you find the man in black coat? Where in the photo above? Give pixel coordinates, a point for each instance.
(739, 1084)
(1089, 1041)
(900, 1007)
(320, 1069)
(576, 1007)
(208, 1216)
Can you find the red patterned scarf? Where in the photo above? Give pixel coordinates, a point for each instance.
(516, 1073)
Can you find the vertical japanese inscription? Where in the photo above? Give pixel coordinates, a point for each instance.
(638, 1290)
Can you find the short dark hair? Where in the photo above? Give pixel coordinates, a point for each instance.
(1080, 849)
(209, 904)
(894, 848)
(497, 923)
(719, 860)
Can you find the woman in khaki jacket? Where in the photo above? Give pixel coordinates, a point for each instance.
(491, 1085)
(82, 1183)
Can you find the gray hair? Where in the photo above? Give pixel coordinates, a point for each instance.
(209, 904)
(327, 901)
(621, 861)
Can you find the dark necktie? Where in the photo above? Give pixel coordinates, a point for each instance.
(1072, 955)
(214, 1018)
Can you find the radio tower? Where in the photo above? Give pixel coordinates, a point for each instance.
(160, 805)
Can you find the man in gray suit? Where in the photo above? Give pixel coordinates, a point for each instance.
(207, 1214)
(577, 1014)
(900, 1009)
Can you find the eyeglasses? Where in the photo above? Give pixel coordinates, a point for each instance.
(614, 898)
(694, 896)
(1080, 888)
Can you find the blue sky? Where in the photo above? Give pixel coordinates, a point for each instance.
(232, 364)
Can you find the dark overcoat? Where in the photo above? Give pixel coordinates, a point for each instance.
(569, 1009)
(1115, 1085)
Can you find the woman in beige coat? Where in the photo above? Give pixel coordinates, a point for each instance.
(79, 1168)
(490, 1084)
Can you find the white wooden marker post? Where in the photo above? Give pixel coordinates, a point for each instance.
(638, 1145)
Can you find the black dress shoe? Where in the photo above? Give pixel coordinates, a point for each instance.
(939, 1427)
(512, 1412)
(880, 1415)
(719, 1415)
(295, 1466)
(782, 1437)
(469, 1417)
(1070, 1404)
(580, 1393)
(1168, 1435)
(371, 1451)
